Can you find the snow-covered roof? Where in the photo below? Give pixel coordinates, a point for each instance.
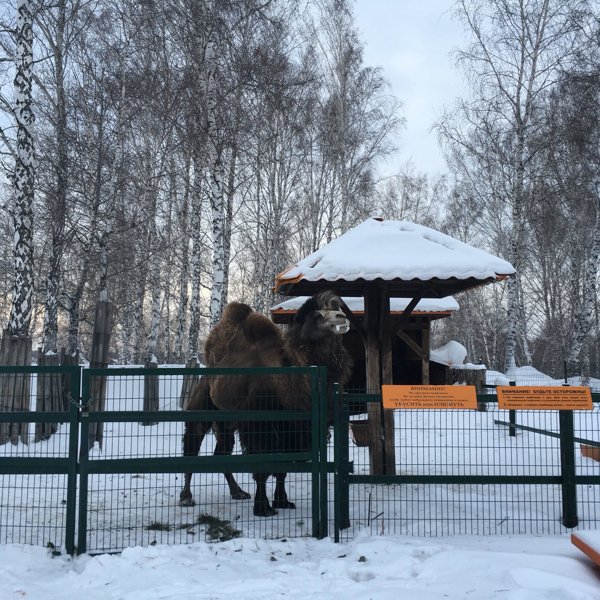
(396, 251)
(357, 305)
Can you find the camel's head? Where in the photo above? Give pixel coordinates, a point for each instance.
(321, 316)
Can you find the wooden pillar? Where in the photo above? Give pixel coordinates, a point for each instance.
(15, 388)
(387, 377)
(151, 391)
(379, 370)
(99, 359)
(373, 352)
(189, 382)
(425, 332)
(49, 396)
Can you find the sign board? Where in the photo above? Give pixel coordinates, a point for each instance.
(429, 396)
(544, 398)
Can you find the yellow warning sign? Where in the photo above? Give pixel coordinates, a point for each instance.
(429, 396)
(544, 398)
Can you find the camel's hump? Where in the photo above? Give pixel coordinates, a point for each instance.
(258, 328)
(236, 312)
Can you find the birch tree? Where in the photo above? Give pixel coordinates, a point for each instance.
(518, 48)
(23, 178)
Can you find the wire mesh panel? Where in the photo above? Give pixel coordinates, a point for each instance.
(472, 472)
(33, 509)
(37, 476)
(136, 460)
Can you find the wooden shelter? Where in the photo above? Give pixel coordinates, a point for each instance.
(410, 346)
(379, 260)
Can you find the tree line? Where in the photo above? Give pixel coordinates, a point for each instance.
(169, 156)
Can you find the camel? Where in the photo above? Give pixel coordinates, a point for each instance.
(245, 338)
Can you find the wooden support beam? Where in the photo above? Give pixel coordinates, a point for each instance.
(418, 350)
(385, 336)
(426, 334)
(411, 306)
(358, 326)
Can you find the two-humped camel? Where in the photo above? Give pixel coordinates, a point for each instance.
(245, 338)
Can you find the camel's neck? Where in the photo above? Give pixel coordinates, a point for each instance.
(328, 352)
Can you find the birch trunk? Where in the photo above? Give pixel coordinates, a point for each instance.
(22, 301)
(59, 207)
(184, 273)
(217, 196)
(586, 313)
(196, 263)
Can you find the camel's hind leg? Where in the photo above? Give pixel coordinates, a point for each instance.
(225, 434)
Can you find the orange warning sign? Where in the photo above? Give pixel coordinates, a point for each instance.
(429, 396)
(544, 398)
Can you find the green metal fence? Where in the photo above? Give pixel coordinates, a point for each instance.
(458, 472)
(125, 492)
(471, 472)
(39, 480)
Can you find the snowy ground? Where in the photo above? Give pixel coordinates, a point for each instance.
(378, 568)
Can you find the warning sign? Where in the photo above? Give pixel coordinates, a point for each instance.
(544, 398)
(429, 396)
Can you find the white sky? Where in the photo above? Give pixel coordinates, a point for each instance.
(412, 40)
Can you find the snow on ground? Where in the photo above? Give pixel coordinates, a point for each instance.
(378, 568)
(528, 376)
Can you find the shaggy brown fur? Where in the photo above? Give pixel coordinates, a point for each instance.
(244, 338)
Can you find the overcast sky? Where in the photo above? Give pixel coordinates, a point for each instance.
(412, 40)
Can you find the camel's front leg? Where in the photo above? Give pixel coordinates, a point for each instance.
(262, 508)
(280, 499)
(192, 440)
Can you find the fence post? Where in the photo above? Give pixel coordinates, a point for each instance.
(323, 429)
(83, 465)
(567, 469)
(512, 417)
(74, 378)
(341, 464)
(315, 448)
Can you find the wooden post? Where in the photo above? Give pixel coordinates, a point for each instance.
(67, 360)
(15, 389)
(425, 341)
(48, 395)
(99, 359)
(475, 377)
(189, 383)
(387, 377)
(373, 353)
(151, 395)
(379, 370)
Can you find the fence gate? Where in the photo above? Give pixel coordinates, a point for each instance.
(108, 474)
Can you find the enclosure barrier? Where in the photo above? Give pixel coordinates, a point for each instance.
(457, 464)
(128, 445)
(109, 477)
